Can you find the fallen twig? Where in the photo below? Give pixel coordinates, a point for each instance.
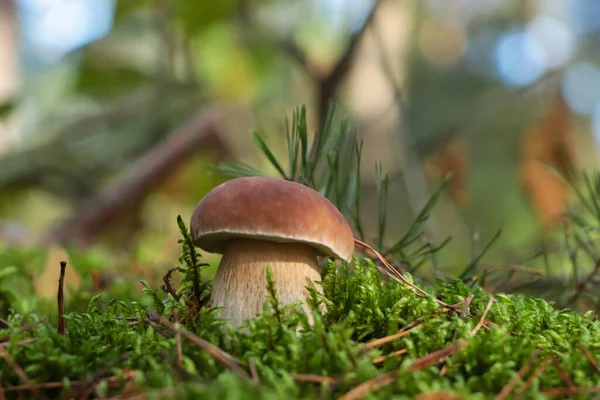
(19, 343)
(508, 388)
(312, 378)
(482, 320)
(387, 378)
(590, 357)
(219, 355)
(19, 371)
(382, 358)
(536, 373)
(465, 309)
(31, 387)
(161, 394)
(142, 176)
(568, 391)
(563, 374)
(370, 386)
(253, 372)
(391, 338)
(24, 328)
(438, 355)
(398, 277)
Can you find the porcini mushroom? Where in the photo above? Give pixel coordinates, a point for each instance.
(258, 221)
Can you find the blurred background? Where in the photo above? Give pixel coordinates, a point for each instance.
(113, 112)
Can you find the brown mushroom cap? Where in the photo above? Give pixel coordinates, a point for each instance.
(270, 209)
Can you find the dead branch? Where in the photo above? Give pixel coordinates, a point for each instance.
(328, 85)
(202, 132)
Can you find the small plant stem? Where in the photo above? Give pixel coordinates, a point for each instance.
(61, 298)
(178, 340)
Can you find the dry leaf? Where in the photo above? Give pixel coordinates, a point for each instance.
(441, 395)
(450, 156)
(548, 142)
(46, 285)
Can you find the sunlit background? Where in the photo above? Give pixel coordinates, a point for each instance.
(480, 88)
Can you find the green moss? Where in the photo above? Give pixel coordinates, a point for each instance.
(110, 337)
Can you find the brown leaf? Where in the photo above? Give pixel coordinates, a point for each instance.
(46, 284)
(441, 395)
(450, 156)
(548, 141)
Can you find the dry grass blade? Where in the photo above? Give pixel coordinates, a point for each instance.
(30, 387)
(161, 394)
(536, 373)
(25, 328)
(311, 378)
(370, 386)
(482, 320)
(218, 354)
(465, 309)
(387, 378)
(438, 355)
(19, 343)
(562, 392)
(508, 388)
(444, 370)
(563, 374)
(590, 357)
(391, 338)
(441, 395)
(397, 276)
(59, 384)
(380, 359)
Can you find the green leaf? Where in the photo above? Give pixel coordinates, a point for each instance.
(7, 108)
(195, 16)
(124, 8)
(96, 78)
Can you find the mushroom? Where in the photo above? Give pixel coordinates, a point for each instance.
(258, 221)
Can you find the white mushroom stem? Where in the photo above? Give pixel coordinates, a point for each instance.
(241, 279)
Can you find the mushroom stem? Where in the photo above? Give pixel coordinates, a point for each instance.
(240, 284)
